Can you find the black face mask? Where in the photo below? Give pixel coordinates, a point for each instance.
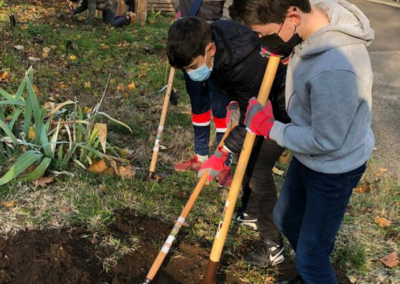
(275, 44)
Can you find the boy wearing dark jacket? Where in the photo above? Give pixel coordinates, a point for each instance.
(109, 8)
(229, 54)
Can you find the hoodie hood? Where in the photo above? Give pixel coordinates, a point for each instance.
(235, 42)
(348, 26)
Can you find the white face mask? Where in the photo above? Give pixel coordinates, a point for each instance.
(202, 73)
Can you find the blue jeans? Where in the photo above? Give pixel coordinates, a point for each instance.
(116, 21)
(309, 212)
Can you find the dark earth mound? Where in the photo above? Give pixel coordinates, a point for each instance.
(73, 255)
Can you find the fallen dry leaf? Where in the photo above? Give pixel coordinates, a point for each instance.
(44, 181)
(114, 166)
(46, 49)
(9, 204)
(98, 167)
(88, 84)
(120, 88)
(284, 160)
(382, 222)
(72, 57)
(365, 188)
(131, 86)
(19, 47)
(126, 172)
(390, 260)
(353, 279)
(380, 172)
(277, 171)
(108, 172)
(104, 47)
(34, 59)
(113, 81)
(4, 76)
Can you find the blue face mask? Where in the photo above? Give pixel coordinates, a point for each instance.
(202, 73)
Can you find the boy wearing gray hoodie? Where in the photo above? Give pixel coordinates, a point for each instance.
(328, 98)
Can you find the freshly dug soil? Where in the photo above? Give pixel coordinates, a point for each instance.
(72, 255)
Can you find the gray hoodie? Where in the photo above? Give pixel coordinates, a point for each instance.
(328, 93)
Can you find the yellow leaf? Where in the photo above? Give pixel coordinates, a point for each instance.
(45, 55)
(120, 88)
(87, 110)
(31, 134)
(131, 86)
(25, 27)
(112, 81)
(46, 49)
(126, 172)
(72, 57)
(127, 96)
(382, 222)
(9, 204)
(98, 167)
(102, 132)
(88, 84)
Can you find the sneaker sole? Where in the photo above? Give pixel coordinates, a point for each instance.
(277, 261)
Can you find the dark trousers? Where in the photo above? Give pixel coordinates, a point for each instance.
(206, 98)
(131, 4)
(110, 18)
(259, 191)
(309, 213)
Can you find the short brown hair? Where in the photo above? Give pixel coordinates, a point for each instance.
(259, 12)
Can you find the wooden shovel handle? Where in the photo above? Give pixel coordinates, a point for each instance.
(223, 227)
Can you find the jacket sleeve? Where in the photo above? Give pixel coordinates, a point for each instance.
(334, 99)
(245, 87)
(92, 9)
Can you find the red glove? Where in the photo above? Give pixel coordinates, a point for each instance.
(215, 163)
(232, 114)
(259, 119)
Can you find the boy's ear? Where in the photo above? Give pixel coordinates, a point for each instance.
(293, 15)
(212, 49)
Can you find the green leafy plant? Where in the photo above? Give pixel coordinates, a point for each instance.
(49, 136)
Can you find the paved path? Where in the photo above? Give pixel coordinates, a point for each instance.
(385, 57)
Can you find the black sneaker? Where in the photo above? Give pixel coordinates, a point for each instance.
(297, 280)
(268, 253)
(242, 218)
